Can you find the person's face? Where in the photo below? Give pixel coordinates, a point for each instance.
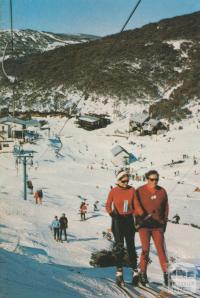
(123, 182)
(153, 180)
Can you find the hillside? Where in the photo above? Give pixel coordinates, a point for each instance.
(28, 41)
(156, 65)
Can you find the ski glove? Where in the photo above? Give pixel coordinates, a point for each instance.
(113, 214)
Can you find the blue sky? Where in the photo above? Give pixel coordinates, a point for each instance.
(99, 17)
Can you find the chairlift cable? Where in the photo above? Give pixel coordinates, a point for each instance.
(112, 46)
(131, 14)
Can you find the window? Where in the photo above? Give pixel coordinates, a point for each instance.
(5, 145)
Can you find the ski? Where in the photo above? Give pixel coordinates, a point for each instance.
(127, 288)
(160, 293)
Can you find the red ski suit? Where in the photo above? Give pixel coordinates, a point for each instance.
(153, 201)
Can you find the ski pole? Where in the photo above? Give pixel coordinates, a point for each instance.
(146, 217)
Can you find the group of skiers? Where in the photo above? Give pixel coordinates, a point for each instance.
(84, 208)
(59, 227)
(144, 210)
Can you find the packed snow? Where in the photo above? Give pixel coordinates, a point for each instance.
(177, 43)
(33, 264)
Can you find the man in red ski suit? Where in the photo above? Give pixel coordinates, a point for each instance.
(154, 202)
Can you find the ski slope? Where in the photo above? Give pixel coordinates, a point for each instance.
(33, 264)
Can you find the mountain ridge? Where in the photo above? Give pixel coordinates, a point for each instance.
(155, 65)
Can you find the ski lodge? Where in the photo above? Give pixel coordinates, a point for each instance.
(137, 121)
(11, 127)
(93, 121)
(153, 126)
(145, 125)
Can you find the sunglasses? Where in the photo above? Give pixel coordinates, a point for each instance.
(153, 179)
(124, 181)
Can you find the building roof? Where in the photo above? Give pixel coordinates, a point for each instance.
(149, 125)
(10, 119)
(88, 118)
(153, 122)
(118, 149)
(139, 118)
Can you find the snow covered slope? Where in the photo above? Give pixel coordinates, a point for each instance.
(31, 41)
(32, 264)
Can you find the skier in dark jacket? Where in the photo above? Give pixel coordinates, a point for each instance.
(63, 226)
(177, 218)
(120, 205)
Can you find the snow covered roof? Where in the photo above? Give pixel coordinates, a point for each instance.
(153, 122)
(117, 150)
(139, 118)
(27, 123)
(149, 125)
(88, 118)
(12, 120)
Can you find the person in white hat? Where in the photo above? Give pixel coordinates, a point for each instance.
(120, 205)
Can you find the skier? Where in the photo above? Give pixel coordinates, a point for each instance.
(38, 196)
(30, 186)
(95, 205)
(120, 206)
(63, 226)
(83, 210)
(177, 218)
(154, 203)
(55, 226)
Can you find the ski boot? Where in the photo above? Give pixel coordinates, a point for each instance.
(135, 277)
(167, 279)
(119, 277)
(143, 280)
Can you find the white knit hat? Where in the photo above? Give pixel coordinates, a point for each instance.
(122, 174)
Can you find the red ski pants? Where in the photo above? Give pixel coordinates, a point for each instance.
(158, 238)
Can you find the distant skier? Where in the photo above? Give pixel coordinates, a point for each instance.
(154, 202)
(38, 196)
(120, 205)
(30, 186)
(95, 205)
(63, 226)
(83, 210)
(56, 226)
(177, 218)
